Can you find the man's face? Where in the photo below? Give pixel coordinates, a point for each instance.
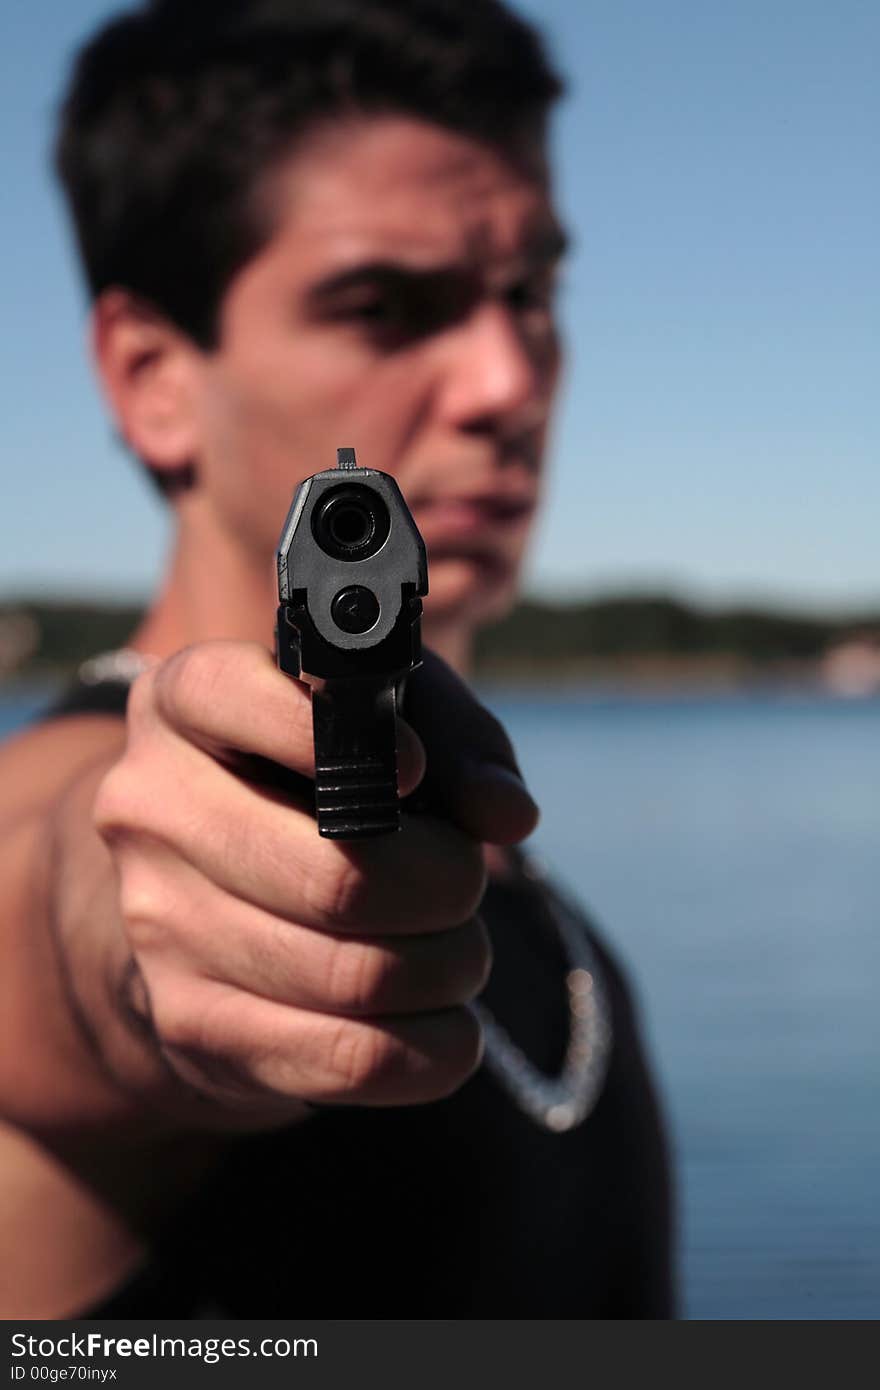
(403, 307)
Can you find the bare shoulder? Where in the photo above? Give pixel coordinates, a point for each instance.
(37, 764)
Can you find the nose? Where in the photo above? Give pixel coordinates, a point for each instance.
(495, 370)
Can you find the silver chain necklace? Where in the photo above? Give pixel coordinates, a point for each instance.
(556, 1103)
(561, 1102)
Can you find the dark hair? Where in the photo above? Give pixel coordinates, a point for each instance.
(178, 110)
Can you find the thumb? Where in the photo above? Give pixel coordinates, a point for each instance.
(472, 775)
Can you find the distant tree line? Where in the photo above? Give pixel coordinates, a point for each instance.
(536, 636)
(59, 635)
(612, 629)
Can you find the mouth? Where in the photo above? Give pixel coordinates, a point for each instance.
(445, 520)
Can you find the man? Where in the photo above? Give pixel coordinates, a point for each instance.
(242, 1070)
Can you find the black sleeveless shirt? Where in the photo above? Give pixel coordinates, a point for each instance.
(456, 1209)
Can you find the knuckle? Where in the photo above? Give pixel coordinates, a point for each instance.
(113, 808)
(141, 698)
(129, 805)
(360, 1056)
(176, 1023)
(175, 684)
(334, 892)
(145, 905)
(356, 977)
(188, 681)
(191, 1019)
(138, 899)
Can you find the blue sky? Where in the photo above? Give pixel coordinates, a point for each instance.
(719, 431)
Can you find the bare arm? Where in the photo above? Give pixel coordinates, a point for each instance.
(50, 1075)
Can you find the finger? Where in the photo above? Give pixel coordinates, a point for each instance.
(238, 1048)
(429, 877)
(170, 908)
(472, 774)
(230, 699)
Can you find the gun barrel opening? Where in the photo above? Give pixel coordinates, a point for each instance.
(351, 522)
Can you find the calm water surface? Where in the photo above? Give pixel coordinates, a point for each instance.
(730, 851)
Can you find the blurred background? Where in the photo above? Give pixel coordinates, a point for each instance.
(700, 637)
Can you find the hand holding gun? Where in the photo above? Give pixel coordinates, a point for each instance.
(267, 965)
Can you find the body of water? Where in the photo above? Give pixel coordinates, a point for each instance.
(729, 850)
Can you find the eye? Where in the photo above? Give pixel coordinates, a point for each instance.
(392, 319)
(536, 291)
(397, 307)
(372, 308)
(382, 317)
(395, 315)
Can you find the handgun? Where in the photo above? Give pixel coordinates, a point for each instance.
(352, 572)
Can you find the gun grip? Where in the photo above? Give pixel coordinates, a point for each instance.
(356, 794)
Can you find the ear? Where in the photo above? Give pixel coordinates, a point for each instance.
(149, 371)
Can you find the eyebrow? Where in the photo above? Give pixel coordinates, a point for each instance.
(543, 247)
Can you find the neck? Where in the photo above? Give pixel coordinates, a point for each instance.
(213, 591)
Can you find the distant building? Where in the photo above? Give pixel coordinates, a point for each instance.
(851, 668)
(19, 639)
